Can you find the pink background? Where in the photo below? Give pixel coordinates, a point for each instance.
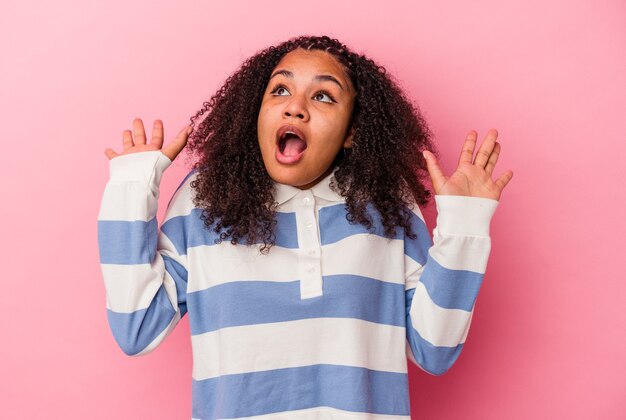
(547, 339)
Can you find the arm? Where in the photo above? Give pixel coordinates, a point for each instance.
(443, 279)
(145, 276)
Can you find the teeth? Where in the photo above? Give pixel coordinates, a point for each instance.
(289, 132)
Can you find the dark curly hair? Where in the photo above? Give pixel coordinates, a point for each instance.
(384, 167)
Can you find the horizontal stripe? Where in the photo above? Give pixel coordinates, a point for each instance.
(190, 231)
(128, 201)
(463, 215)
(223, 263)
(341, 341)
(347, 388)
(451, 289)
(130, 287)
(458, 252)
(143, 167)
(187, 231)
(134, 331)
(318, 413)
(433, 359)
(439, 326)
(368, 256)
(122, 242)
(334, 226)
(260, 302)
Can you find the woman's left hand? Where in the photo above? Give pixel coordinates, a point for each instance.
(471, 179)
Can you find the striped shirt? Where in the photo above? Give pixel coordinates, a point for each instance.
(322, 327)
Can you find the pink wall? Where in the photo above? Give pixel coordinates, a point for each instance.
(547, 339)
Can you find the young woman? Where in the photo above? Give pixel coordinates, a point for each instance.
(296, 244)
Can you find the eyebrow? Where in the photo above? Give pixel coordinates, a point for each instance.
(319, 77)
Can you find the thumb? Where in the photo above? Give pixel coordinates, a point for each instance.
(174, 148)
(437, 176)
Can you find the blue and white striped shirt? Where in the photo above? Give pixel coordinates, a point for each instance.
(319, 328)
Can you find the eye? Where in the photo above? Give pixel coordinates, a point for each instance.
(277, 88)
(318, 93)
(322, 92)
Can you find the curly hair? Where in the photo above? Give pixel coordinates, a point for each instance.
(384, 167)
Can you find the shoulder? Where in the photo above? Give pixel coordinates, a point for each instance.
(181, 202)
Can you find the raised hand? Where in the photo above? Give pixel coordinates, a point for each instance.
(138, 144)
(473, 175)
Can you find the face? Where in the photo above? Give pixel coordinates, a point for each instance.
(308, 93)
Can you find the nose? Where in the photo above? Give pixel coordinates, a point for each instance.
(296, 107)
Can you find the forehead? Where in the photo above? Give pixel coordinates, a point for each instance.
(317, 57)
(313, 62)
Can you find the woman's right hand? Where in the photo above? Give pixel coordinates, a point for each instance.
(138, 143)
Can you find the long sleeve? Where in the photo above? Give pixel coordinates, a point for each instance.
(443, 279)
(144, 274)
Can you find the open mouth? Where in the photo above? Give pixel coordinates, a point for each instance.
(291, 146)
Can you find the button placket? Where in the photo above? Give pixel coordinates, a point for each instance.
(309, 247)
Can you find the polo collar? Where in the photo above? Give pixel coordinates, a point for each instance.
(322, 190)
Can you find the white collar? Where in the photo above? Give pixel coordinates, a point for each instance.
(322, 189)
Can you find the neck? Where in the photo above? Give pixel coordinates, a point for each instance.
(316, 181)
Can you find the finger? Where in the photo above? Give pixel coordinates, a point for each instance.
(504, 179)
(110, 153)
(434, 170)
(493, 158)
(127, 139)
(174, 148)
(157, 133)
(484, 152)
(138, 131)
(467, 153)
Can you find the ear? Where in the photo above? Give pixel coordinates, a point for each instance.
(348, 141)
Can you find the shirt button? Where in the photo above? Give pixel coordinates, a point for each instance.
(306, 200)
(309, 225)
(310, 270)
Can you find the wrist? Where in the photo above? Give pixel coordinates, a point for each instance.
(464, 215)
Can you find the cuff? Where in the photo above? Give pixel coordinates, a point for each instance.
(463, 215)
(145, 167)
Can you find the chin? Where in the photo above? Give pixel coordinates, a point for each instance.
(283, 177)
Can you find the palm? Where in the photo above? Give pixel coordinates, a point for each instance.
(473, 176)
(135, 141)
